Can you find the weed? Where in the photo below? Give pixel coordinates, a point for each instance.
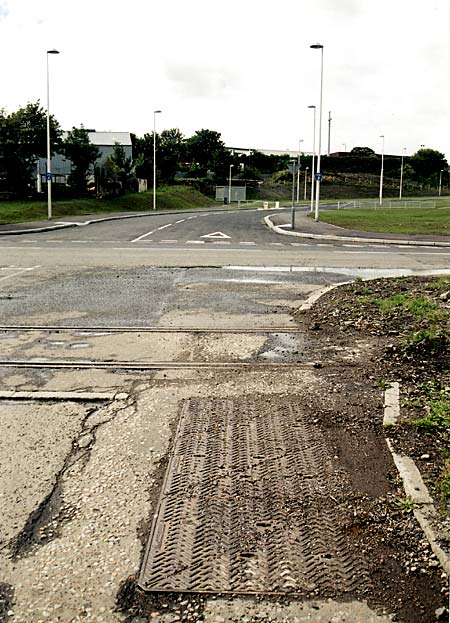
(444, 486)
(434, 341)
(443, 283)
(438, 417)
(406, 505)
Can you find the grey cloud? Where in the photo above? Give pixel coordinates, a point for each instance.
(201, 81)
(4, 10)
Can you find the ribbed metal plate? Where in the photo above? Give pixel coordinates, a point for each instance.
(245, 506)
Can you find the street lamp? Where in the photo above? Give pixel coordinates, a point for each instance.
(382, 171)
(401, 173)
(306, 177)
(49, 154)
(440, 181)
(298, 167)
(313, 159)
(229, 185)
(319, 46)
(344, 145)
(155, 112)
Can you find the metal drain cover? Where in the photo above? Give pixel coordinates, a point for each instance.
(245, 505)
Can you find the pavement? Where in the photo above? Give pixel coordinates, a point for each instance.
(280, 223)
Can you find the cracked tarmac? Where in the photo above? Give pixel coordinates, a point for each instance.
(81, 483)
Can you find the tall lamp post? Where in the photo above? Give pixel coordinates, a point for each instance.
(298, 168)
(49, 152)
(440, 181)
(319, 46)
(306, 177)
(401, 173)
(229, 185)
(382, 170)
(313, 159)
(155, 112)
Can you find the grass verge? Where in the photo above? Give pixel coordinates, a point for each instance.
(433, 221)
(168, 198)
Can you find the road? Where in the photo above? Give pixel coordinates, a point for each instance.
(171, 312)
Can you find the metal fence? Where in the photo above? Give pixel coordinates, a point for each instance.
(398, 203)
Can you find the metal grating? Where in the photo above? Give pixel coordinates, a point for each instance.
(245, 505)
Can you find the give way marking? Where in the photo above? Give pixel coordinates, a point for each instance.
(215, 234)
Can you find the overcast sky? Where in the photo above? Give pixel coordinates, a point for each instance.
(242, 67)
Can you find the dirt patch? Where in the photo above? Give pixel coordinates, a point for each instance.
(404, 339)
(6, 601)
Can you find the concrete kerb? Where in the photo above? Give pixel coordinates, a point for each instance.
(278, 229)
(413, 484)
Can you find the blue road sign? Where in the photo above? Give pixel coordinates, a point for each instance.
(48, 177)
(318, 176)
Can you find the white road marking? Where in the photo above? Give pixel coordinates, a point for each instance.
(277, 244)
(252, 243)
(19, 272)
(149, 233)
(168, 241)
(195, 242)
(164, 226)
(221, 242)
(215, 234)
(189, 217)
(182, 221)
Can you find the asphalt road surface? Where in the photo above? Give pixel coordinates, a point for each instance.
(80, 480)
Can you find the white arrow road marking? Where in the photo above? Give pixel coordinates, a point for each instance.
(215, 234)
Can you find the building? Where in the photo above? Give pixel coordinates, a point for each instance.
(61, 167)
(268, 152)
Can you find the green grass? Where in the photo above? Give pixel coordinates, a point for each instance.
(392, 220)
(438, 415)
(420, 308)
(436, 422)
(168, 198)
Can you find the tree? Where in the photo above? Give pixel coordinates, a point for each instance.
(427, 162)
(117, 174)
(78, 148)
(23, 139)
(143, 155)
(170, 153)
(266, 163)
(363, 152)
(206, 151)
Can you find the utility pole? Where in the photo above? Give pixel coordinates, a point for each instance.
(329, 131)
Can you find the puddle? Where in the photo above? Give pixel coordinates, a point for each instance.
(93, 333)
(282, 346)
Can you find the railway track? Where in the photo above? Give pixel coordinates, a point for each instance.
(42, 361)
(135, 329)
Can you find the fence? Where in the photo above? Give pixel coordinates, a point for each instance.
(399, 203)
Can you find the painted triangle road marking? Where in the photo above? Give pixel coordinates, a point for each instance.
(216, 234)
